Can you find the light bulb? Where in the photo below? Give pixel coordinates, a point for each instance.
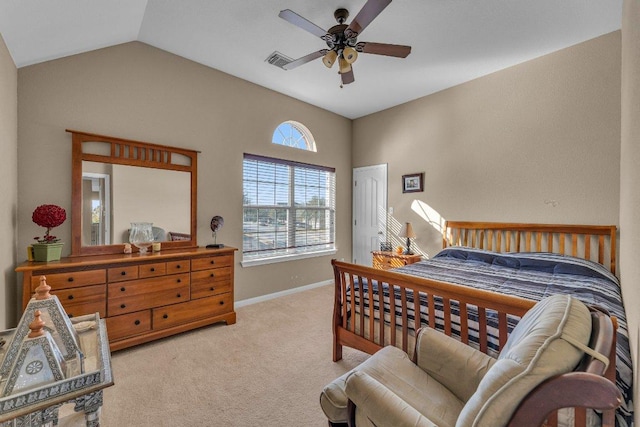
(329, 58)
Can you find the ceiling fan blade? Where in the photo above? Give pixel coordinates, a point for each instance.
(347, 77)
(399, 51)
(297, 20)
(368, 13)
(307, 58)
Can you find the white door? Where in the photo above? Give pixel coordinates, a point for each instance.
(369, 211)
(96, 208)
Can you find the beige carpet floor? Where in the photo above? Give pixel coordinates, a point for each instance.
(266, 370)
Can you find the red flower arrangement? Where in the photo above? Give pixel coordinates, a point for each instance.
(48, 216)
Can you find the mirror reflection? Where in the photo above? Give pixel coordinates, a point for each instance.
(114, 196)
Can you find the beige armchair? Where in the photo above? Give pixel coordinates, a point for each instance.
(554, 358)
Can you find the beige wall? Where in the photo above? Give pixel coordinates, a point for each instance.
(537, 142)
(139, 92)
(8, 184)
(630, 177)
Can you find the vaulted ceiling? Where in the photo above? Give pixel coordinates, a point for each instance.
(453, 41)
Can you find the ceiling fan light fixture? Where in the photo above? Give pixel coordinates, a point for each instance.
(342, 40)
(345, 66)
(350, 55)
(330, 58)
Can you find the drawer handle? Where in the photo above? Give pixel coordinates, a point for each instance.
(70, 315)
(123, 305)
(212, 262)
(179, 280)
(137, 322)
(70, 279)
(178, 296)
(178, 266)
(122, 289)
(212, 275)
(212, 288)
(165, 316)
(70, 297)
(153, 269)
(221, 302)
(123, 273)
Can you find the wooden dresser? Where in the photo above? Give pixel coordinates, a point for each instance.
(142, 297)
(383, 260)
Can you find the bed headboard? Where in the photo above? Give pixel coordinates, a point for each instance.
(593, 242)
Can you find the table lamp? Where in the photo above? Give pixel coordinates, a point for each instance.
(407, 231)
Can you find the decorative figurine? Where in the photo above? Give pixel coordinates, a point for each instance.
(216, 224)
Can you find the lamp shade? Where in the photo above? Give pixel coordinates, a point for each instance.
(330, 58)
(407, 231)
(345, 67)
(350, 55)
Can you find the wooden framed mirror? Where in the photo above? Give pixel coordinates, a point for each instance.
(116, 182)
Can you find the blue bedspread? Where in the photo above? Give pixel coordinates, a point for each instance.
(536, 276)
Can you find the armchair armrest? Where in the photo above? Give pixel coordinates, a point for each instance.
(573, 389)
(381, 405)
(444, 358)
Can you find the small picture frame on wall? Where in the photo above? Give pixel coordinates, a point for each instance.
(413, 182)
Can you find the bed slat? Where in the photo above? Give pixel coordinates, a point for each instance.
(464, 324)
(432, 311)
(482, 329)
(446, 308)
(405, 319)
(392, 310)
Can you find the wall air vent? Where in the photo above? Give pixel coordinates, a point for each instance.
(278, 59)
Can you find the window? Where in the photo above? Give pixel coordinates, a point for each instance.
(288, 209)
(294, 134)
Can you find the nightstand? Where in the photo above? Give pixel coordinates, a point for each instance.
(383, 260)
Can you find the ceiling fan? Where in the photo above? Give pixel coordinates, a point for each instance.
(342, 39)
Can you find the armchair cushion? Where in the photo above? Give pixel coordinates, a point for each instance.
(393, 368)
(382, 406)
(534, 352)
(444, 359)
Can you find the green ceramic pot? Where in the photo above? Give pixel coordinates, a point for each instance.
(47, 251)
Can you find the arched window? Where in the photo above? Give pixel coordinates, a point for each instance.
(294, 134)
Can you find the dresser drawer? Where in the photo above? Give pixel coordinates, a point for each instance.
(152, 270)
(118, 274)
(72, 279)
(181, 266)
(75, 310)
(176, 314)
(127, 297)
(127, 325)
(211, 262)
(206, 283)
(83, 300)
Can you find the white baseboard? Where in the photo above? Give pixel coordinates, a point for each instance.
(267, 297)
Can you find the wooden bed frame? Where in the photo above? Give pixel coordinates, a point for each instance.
(369, 333)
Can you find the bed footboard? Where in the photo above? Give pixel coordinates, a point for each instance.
(367, 319)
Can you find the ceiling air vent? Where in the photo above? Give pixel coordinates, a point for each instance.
(278, 59)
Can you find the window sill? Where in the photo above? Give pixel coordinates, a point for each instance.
(284, 258)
